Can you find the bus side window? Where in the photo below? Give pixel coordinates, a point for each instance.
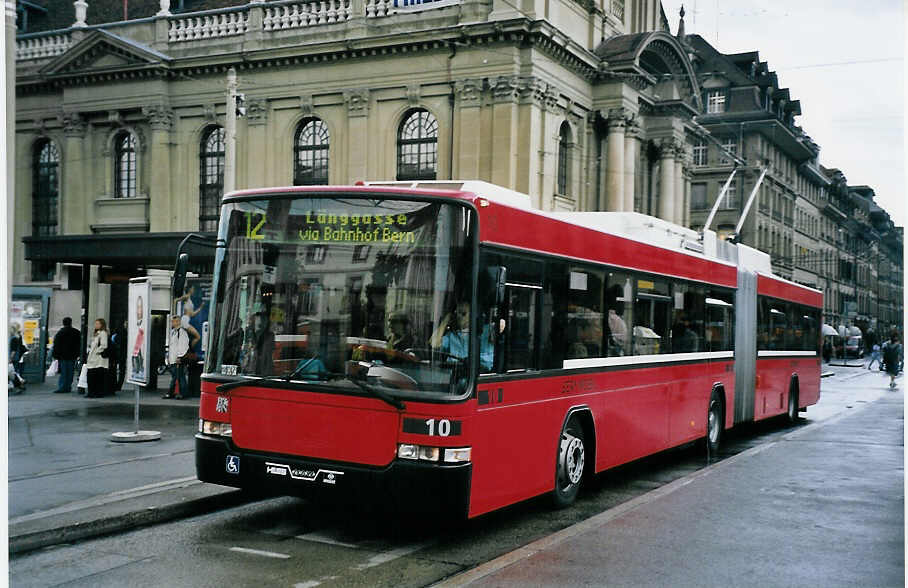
(585, 331)
(652, 312)
(619, 307)
(520, 330)
(688, 331)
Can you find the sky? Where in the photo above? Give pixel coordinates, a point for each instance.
(843, 59)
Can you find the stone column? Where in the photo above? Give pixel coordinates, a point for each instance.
(162, 211)
(75, 199)
(548, 149)
(358, 142)
(469, 129)
(632, 135)
(9, 63)
(257, 145)
(680, 202)
(686, 178)
(614, 170)
(505, 131)
(589, 167)
(666, 178)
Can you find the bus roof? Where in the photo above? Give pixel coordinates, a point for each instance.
(510, 219)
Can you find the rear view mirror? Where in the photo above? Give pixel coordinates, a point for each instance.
(179, 275)
(501, 282)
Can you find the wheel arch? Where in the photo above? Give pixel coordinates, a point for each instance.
(585, 417)
(719, 390)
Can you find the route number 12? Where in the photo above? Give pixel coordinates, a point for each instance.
(252, 232)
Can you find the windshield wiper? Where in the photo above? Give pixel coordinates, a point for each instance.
(285, 377)
(300, 368)
(378, 393)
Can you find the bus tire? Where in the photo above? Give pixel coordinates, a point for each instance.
(793, 403)
(715, 419)
(570, 465)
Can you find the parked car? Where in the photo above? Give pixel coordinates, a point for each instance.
(854, 346)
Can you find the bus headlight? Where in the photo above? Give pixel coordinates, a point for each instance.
(426, 453)
(458, 454)
(215, 428)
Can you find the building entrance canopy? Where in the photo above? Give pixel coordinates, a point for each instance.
(149, 250)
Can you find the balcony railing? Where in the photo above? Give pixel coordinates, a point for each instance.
(208, 26)
(42, 47)
(232, 22)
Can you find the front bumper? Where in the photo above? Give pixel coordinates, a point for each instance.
(403, 485)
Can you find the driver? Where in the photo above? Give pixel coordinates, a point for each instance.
(452, 337)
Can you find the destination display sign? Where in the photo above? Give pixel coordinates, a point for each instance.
(325, 227)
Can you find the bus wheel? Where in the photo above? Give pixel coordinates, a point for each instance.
(571, 463)
(793, 404)
(714, 422)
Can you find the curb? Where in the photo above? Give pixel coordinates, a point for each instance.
(189, 500)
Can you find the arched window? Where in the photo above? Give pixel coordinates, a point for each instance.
(211, 177)
(45, 193)
(564, 157)
(310, 153)
(417, 146)
(125, 153)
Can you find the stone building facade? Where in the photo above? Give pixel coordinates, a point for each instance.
(584, 105)
(819, 231)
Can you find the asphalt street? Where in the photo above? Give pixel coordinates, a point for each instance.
(823, 503)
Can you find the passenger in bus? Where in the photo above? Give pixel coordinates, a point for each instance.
(261, 360)
(617, 333)
(400, 338)
(688, 339)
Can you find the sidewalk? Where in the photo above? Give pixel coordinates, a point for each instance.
(824, 506)
(69, 481)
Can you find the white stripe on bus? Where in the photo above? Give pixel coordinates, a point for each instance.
(643, 359)
(768, 353)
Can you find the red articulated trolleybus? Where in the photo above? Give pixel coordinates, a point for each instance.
(444, 344)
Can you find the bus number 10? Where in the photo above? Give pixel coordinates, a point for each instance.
(444, 427)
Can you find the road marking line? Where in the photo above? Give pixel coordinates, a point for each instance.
(318, 537)
(387, 556)
(260, 552)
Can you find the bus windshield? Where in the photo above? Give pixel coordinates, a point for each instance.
(349, 294)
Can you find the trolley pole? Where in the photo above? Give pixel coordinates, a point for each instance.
(230, 132)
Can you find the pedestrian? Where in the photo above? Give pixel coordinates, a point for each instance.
(16, 349)
(892, 356)
(177, 348)
(118, 370)
(876, 356)
(66, 352)
(97, 363)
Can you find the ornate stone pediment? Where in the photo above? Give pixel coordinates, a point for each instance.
(102, 52)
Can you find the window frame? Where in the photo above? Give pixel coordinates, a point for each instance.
(207, 159)
(715, 101)
(564, 157)
(45, 201)
(314, 146)
(422, 128)
(700, 153)
(126, 180)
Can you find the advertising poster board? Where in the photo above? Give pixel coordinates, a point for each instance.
(138, 352)
(192, 307)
